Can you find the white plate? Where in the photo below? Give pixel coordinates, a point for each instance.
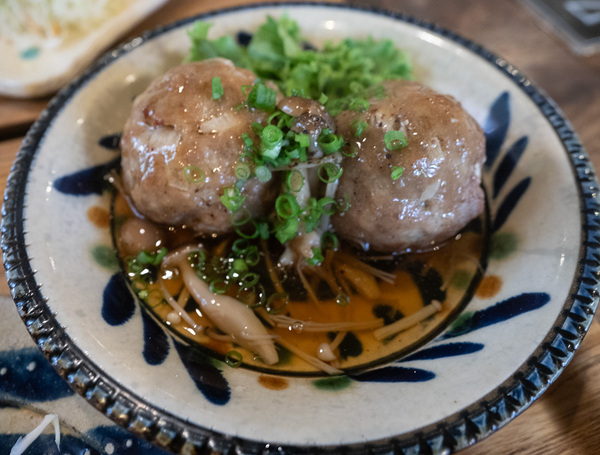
(503, 351)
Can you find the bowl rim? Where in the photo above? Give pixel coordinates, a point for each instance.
(168, 431)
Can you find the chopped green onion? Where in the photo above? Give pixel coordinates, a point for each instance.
(239, 266)
(359, 127)
(323, 98)
(328, 205)
(287, 206)
(241, 216)
(247, 234)
(397, 172)
(193, 174)
(277, 302)
(233, 199)
(252, 256)
(329, 142)
(330, 172)
(257, 127)
(317, 257)
(217, 88)
(262, 227)
(249, 279)
(242, 171)
(240, 246)
(352, 153)
(395, 140)
(329, 241)
(197, 259)
(294, 181)
(302, 139)
(271, 142)
(247, 141)
(262, 97)
(286, 231)
(343, 204)
(312, 214)
(263, 174)
(234, 359)
(342, 299)
(218, 286)
(147, 258)
(246, 89)
(359, 105)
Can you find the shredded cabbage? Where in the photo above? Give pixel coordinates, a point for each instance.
(50, 22)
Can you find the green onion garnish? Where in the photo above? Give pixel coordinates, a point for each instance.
(249, 279)
(147, 258)
(197, 259)
(217, 88)
(234, 359)
(277, 302)
(397, 172)
(240, 246)
(287, 206)
(247, 141)
(239, 266)
(359, 105)
(271, 142)
(233, 199)
(262, 97)
(323, 98)
(263, 229)
(316, 258)
(302, 139)
(247, 233)
(329, 142)
(242, 171)
(218, 286)
(328, 205)
(330, 172)
(252, 256)
(193, 174)
(395, 140)
(241, 216)
(351, 153)
(263, 174)
(359, 127)
(286, 231)
(294, 181)
(342, 299)
(329, 241)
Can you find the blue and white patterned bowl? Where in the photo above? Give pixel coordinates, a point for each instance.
(509, 343)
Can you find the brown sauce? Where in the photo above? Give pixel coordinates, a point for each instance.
(417, 281)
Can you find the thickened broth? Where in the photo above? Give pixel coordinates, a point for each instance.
(326, 318)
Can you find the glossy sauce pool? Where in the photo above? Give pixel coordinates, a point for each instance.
(445, 278)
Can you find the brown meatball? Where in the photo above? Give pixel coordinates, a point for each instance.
(439, 191)
(180, 147)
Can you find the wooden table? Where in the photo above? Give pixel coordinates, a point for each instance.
(566, 419)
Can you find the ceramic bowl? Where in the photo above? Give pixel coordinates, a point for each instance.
(512, 338)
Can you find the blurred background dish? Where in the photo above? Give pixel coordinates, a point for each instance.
(46, 43)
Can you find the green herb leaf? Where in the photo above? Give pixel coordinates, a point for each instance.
(217, 88)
